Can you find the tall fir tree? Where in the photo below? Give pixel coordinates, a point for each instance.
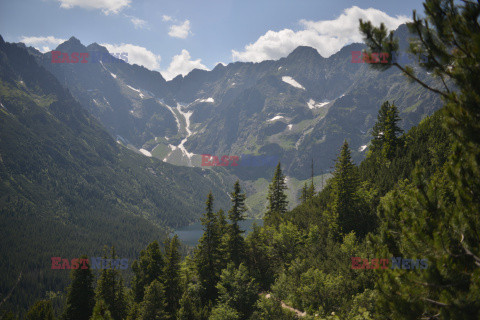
(304, 194)
(386, 130)
(207, 255)
(147, 268)
(80, 295)
(378, 130)
(437, 219)
(277, 199)
(154, 305)
(173, 290)
(311, 188)
(236, 242)
(345, 184)
(111, 290)
(223, 231)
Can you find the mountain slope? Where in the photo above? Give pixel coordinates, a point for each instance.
(299, 107)
(67, 188)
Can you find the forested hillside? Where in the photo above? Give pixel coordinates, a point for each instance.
(67, 187)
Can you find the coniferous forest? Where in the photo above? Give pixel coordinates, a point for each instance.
(396, 236)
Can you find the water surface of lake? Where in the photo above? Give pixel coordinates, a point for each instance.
(189, 235)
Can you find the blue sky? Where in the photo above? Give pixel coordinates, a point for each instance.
(174, 37)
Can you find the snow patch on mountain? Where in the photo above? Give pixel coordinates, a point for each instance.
(137, 90)
(290, 126)
(145, 152)
(362, 148)
(208, 100)
(275, 118)
(181, 146)
(312, 104)
(292, 82)
(113, 75)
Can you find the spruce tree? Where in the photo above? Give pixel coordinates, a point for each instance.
(80, 295)
(173, 290)
(147, 268)
(111, 290)
(437, 219)
(153, 306)
(311, 188)
(207, 255)
(236, 242)
(386, 131)
(304, 194)
(345, 184)
(277, 199)
(223, 231)
(378, 130)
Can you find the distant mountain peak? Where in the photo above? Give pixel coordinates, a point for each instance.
(72, 44)
(304, 52)
(96, 47)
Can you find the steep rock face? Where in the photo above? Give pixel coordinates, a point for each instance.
(300, 107)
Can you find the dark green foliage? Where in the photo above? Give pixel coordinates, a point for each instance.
(277, 199)
(436, 217)
(191, 306)
(272, 309)
(67, 187)
(304, 194)
(386, 131)
(153, 306)
(173, 289)
(101, 311)
(259, 257)
(41, 310)
(237, 290)
(111, 290)
(345, 185)
(147, 268)
(80, 295)
(208, 255)
(224, 312)
(235, 241)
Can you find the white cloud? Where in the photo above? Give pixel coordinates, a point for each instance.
(137, 22)
(327, 36)
(182, 64)
(180, 31)
(136, 54)
(107, 6)
(166, 18)
(42, 44)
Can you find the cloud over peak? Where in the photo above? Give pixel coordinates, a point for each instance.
(182, 64)
(327, 36)
(42, 44)
(136, 55)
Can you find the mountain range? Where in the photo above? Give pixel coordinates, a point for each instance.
(298, 108)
